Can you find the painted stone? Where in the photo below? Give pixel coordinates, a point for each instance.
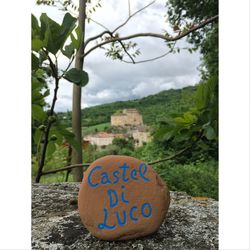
(122, 198)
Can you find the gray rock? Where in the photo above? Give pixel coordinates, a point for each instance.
(190, 223)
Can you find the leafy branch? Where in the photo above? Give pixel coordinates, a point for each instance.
(47, 40)
(107, 31)
(150, 34)
(51, 119)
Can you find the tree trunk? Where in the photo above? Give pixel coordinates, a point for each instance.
(76, 104)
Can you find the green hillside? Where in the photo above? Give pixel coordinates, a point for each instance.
(153, 108)
(195, 171)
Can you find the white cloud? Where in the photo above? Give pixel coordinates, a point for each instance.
(147, 88)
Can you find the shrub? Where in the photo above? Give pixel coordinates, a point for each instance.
(199, 179)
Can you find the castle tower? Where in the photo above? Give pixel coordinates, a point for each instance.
(128, 117)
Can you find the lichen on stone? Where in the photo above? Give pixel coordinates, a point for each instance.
(190, 223)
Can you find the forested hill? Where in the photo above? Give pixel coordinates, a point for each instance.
(153, 108)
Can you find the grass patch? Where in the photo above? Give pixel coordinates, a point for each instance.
(57, 160)
(95, 128)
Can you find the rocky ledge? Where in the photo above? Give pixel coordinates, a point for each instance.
(191, 223)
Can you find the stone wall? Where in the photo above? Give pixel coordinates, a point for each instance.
(191, 223)
(100, 139)
(118, 120)
(127, 117)
(140, 137)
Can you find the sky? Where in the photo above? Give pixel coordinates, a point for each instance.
(110, 80)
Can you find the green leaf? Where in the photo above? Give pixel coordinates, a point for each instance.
(38, 113)
(76, 42)
(79, 34)
(35, 26)
(68, 25)
(37, 135)
(164, 133)
(70, 137)
(36, 84)
(206, 92)
(182, 135)
(204, 126)
(42, 56)
(203, 145)
(50, 31)
(187, 119)
(180, 120)
(47, 70)
(69, 50)
(46, 93)
(36, 44)
(55, 35)
(168, 135)
(54, 131)
(35, 62)
(37, 97)
(190, 118)
(210, 133)
(40, 73)
(77, 76)
(51, 148)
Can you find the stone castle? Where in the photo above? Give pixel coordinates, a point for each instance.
(128, 117)
(131, 120)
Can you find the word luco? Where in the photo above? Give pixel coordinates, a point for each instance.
(115, 179)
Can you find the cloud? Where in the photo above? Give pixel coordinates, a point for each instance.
(115, 81)
(147, 88)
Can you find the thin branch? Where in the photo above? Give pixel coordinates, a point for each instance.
(51, 64)
(96, 37)
(66, 168)
(129, 9)
(47, 129)
(130, 16)
(71, 61)
(107, 30)
(147, 60)
(169, 157)
(151, 59)
(110, 33)
(96, 22)
(124, 48)
(88, 164)
(156, 35)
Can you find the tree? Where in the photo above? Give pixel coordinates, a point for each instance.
(123, 143)
(48, 40)
(76, 102)
(199, 126)
(184, 13)
(120, 46)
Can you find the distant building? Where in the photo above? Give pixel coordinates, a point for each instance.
(128, 117)
(102, 138)
(132, 122)
(141, 135)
